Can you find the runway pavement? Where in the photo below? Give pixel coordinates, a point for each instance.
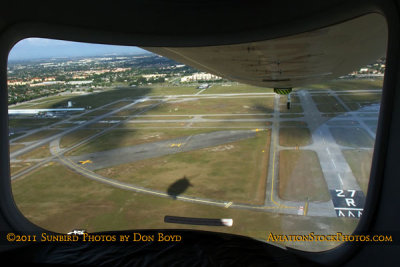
(123, 155)
(335, 168)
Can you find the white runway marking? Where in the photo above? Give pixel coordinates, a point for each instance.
(199, 92)
(333, 162)
(340, 178)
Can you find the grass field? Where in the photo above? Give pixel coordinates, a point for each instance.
(342, 85)
(37, 153)
(215, 106)
(59, 200)
(299, 136)
(290, 116)
(324, 99)
(127, 112)
(294, 108)
(136, 125)
(230, 124)
(294, 99)
(17, 167)
(235, 89)
(164, 117)
(231, 172)
(255, 116)
(173, 90)
(15, 147)
(97, 112)
(352, 137)
(75, 137)
(362, 97)
(38, 135)
(297, 183)
(360, 164)
(328, 108)
(98, 125)
(293, 123)
(30, 123)
(119, 104)
(327, 104)
(63, 125)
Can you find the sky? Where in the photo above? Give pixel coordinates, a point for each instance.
(37, 48)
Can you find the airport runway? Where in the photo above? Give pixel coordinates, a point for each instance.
(323, 143)
(123, 155)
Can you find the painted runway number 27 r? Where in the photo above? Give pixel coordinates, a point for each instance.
(348, 203)
(340, 193)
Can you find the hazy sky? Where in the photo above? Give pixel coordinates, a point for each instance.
(34, 48)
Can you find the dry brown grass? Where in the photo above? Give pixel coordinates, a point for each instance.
(37, 153)
(360, 164)
(233, 172)
(297, 136)
(301, 177)
(58, 199)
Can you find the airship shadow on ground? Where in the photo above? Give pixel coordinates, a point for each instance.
(178, 187)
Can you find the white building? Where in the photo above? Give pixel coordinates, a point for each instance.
(200, 76)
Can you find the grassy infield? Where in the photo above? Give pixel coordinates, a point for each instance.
(51, 203)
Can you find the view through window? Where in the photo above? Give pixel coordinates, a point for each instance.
(120, 140)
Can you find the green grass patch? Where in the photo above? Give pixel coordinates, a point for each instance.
(16, 167)
(63, 125)
(230, 172)
(30, 123)
(259, 116)
(299, 136)
(75, 137)
(173, 90)
(290, 116)
(51, 192)
(361, 97)
(38, 135)
(360, 163)
(96, 112)
(356, 84)
(294, 99)
(293, 123)
(162, 117)
(215, 106)
(294, 108)
(329, 108)
(297, 183)
(15, 147)
(136, 125)
(37, 153)
(235, 89)
(233, 124)
(352, 137)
